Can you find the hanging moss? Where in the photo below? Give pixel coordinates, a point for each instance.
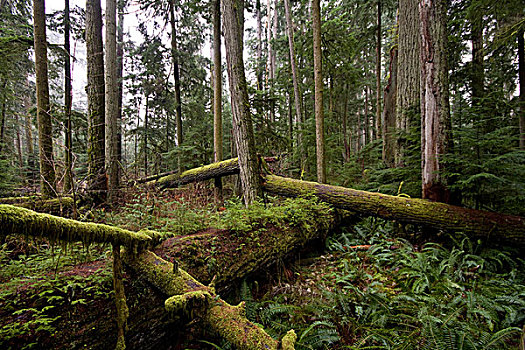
(15, 220)
(120, 299)
(185, 292)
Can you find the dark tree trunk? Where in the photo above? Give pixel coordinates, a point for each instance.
(45, 128)
(408, 81)
(217, 95)
(112, 163)
(435, 108)
(242, 120)
(318, 82)
(96, 101)
(377, 130)
(176, 75)
(121, 5)
(521, 64)
(68, 185)
(389, 112)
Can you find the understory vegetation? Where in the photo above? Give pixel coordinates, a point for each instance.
(376, 284)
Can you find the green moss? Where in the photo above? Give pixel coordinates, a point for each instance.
(288, 341)
(15, 220)
(196, 171)
(188, 303)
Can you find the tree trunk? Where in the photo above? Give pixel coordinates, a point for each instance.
(96, 101)
(298, 99)
(435, 108)
(111, 102)
(146, 130)
(259, 45)
(217, 95)
(68, 185)
(29, 138)
(318, 83)
(389, 112)
(378, 73)
(176, 75)
(521, 68)
(408, 82)
(121, 5)
(45, 128)
(242, 122)
(271, 68)
(481, 224)
(347, 144)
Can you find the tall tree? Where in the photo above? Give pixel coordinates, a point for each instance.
(521, 68)
(45, 128)
(111, 109)
(96, 100)
(176, 74)
(217, 93)
(271, 59)
(389, 112)
(295, 79)
(435, 109)
(233, 16)
(318, 83)
(259, 45)
(68, 185)
(408, 72)
(121, 5)
(377, 131)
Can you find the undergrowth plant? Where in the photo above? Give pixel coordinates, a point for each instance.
(396, 295)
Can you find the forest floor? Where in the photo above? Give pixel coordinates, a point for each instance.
(365, 287)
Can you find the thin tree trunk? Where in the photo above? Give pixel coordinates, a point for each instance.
(18, 145)
(29, 139)
(146, 130)
(435, 108)
(176, 74)
(318, 83)
(366, 119)
(68, 185)
(45, 128)
(521, 64)
(271, 68)
(111, 102)
(298, 99)
(259, 45)
(346, 142)
(96, 101)
(121, 5)
(217, 95)
(377, 130)
(242, 122)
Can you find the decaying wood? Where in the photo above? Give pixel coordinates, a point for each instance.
(56, 206)
(477, 223)
(186, 293)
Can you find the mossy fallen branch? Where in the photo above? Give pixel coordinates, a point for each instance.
(56, 206)
(477, 223)
(15, 220)
(186, 293)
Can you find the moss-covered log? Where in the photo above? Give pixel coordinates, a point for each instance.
(189, 294)
(15, 220)
(490, 226)
(231, 255)
(56, 206)
(224, 168)
(210, 171)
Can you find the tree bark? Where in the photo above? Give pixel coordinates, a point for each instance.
(318, 83)
(271, 68)
(121, 5)
(68, 184)
(378, 73)
(435, 108)
(298, 99)
(112, 164)
(96, 101)
(45, 128)
(408, 82)
(389, 112)
(491, 226)
(29, 139)
(217, 95)
(521, 68)
(176, 75)
(242, 122)
(259, 45)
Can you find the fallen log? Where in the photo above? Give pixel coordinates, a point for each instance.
(214, 170)
(55, 206)
(15, 220)
(507, 229)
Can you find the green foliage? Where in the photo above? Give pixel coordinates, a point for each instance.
(35, 290)
(396, 295)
